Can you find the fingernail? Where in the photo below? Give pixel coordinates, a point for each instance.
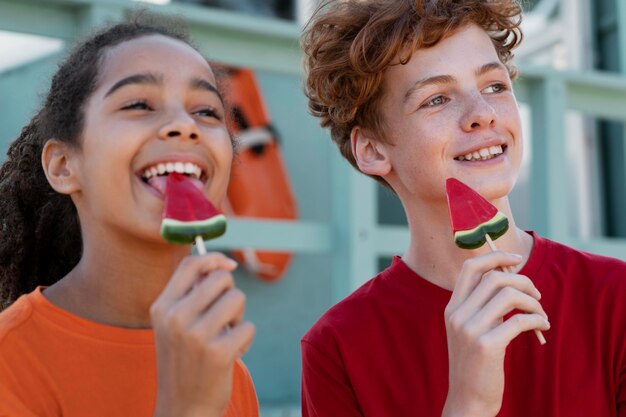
(547, 323)
(515, 255)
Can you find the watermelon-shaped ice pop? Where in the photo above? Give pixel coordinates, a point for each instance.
(472, 217)
(188, 214)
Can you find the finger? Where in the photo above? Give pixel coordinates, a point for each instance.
(227, 310)
(474, 268)
(513, 327)
(202, 296)
(490, 284)
(191, 269)
(238, 339)
(505, 301)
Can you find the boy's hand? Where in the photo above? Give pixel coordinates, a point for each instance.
(478, 336)
(200, 332)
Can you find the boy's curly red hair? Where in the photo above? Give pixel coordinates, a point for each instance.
(348, 45)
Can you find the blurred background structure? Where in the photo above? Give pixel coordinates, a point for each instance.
(573, 96)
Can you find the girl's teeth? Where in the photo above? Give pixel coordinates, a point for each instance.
(476, 155)
(161, 169)
(189, 168)
(179, 167)
(169, 167)
(154, 171)
(469, 156)
(484, 152)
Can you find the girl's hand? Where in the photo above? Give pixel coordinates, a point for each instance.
(478, 336)
(200, 332)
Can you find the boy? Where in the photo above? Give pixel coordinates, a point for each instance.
(415, 92)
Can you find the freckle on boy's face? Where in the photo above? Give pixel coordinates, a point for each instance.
(450, 102)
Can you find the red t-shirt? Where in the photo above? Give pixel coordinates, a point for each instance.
(53, 363)
(382, 351)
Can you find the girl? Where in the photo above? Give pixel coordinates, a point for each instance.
(115, 320)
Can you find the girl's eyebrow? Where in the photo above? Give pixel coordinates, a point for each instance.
(147, 78)
(202, 84)
(153, 79)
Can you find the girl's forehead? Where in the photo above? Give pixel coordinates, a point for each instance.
(155, 54)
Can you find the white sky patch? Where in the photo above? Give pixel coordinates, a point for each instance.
(18, 48)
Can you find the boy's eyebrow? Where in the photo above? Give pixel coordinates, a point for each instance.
(437, 79)
(147, 78)
(490, 67)
(448, 79)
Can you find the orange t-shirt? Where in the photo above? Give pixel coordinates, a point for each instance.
(53, 363)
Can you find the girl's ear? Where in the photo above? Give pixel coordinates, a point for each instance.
(59, 165)
(370, 154)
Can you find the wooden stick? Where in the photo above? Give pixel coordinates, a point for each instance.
(493, 248)
(200, 245)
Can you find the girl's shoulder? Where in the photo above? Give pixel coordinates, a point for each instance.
(13, 318)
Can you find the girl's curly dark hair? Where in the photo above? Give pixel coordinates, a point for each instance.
(40, 240)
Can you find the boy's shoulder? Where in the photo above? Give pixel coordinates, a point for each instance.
(352, 314)
(575, 261)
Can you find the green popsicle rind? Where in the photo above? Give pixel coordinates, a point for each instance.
(475, 238)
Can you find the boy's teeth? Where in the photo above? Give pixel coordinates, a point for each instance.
(482, 154)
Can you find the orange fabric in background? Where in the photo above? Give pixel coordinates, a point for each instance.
(53, 363)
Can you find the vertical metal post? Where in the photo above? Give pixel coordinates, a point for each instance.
(549, 170)
(354, 218)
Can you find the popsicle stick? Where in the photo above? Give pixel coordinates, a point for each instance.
(200, 245)
(492, 246)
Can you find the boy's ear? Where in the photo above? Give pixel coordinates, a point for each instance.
(370, 153)
(59, 165)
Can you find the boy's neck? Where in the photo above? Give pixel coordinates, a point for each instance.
(433, 254)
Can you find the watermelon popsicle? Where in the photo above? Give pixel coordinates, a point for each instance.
(475, 221)
(188, 216)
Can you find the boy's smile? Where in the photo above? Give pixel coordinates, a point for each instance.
(453, 117)
(155, 110)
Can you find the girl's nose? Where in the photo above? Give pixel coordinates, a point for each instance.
(181, 126)
(479, 114)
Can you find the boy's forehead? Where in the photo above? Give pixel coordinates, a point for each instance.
(469, 47)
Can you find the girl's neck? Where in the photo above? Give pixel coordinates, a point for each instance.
(117, 280)
(433, 254)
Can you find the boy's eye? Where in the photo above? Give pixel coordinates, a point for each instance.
(137, 105)
(495, 88)
(436, 101)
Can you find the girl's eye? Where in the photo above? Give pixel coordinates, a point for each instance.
(495, 88)
(137, 105)
(436, 101)
(209, 112)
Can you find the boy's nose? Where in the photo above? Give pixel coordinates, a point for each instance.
(479, 114)
(181, 126)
